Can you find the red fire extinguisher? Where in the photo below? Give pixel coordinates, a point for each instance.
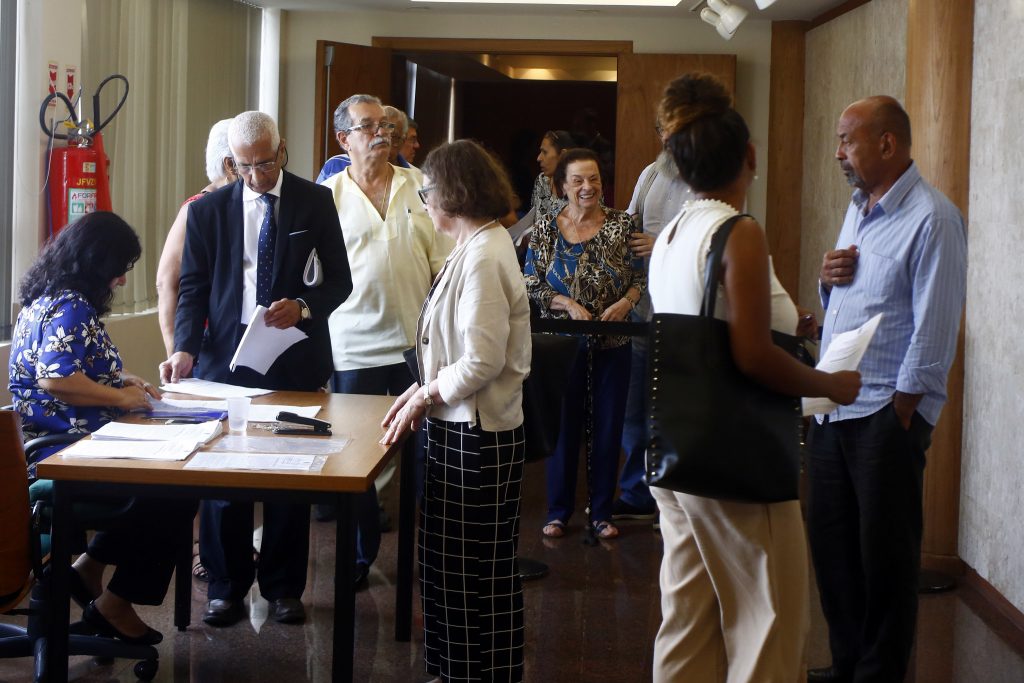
(77, 173)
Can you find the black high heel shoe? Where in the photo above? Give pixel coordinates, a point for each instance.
(92, 617)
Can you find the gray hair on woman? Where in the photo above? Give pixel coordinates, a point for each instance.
(249, 127)
(398, 117)
(217, 150)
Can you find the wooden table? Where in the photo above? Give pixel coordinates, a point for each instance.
(344, 474)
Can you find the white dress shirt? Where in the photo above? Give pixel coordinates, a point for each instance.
(253, 209)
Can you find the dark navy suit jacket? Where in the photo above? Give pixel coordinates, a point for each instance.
(211, 284)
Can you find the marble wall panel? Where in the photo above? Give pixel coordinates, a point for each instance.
(991, 530)
(860, 53)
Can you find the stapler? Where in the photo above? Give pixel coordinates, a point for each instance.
(314, 427)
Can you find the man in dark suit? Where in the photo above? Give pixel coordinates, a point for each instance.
(272, 240)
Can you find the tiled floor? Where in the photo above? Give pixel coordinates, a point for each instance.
(592, 619)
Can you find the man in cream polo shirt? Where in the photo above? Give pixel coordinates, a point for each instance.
(394, 254)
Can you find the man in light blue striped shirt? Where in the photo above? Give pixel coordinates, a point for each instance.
(902, 252)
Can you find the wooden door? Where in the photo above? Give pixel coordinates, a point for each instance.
(641, 80)
(343, 70)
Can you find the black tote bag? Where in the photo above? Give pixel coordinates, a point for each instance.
(714, 432)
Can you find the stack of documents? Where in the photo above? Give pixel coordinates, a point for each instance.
(144, 442)
(196, 434)
(132, 450)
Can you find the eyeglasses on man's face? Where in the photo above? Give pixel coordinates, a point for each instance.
(373, 126)
(423, 192)
(265, 166)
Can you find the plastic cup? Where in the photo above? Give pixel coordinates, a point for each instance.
(238, 413)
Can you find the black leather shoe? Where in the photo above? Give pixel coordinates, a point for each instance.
(224, 612)
(101, 626)
(828, 675)
(287, 611)
(361, 577)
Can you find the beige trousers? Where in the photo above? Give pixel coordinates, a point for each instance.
(734, 594)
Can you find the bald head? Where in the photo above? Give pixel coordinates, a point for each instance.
(884, 114)
(874, 143)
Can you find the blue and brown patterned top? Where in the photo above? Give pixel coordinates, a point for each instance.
(596, 273)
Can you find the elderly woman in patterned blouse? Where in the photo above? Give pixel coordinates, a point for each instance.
(580, 266)
(66, 376)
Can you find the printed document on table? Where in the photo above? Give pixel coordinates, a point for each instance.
(197, 434)
(258, 412)
(261, 345)
(279, 462)
(244, 443)
(844, 352)
(130, 450)
(202, 387)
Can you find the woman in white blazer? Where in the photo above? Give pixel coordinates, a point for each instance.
(473, 349)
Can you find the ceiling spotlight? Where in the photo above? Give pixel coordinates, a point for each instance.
(724, 17)
(764, 4)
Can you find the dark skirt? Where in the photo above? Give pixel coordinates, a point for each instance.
(469, 533)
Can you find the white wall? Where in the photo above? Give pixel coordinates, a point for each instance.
(50, 30)
(301, 30)
(991, 533)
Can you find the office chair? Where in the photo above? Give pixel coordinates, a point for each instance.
(23, 571)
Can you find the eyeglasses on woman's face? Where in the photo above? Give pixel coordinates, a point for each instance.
(423, 192)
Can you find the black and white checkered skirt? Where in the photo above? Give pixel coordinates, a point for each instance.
(469, 531)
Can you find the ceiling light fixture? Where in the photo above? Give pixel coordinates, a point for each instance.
(724, 17)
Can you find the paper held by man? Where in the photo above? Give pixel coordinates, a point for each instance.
(261, 345)
(844, 353)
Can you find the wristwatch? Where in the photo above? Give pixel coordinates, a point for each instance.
(304, 312)
(427, 401)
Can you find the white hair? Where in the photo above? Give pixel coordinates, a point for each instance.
(398, 117)
(249, 127)
(217, 149)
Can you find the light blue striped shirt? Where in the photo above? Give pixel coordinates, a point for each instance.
(912, 267)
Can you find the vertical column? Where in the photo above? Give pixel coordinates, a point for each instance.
(786, 152)
(939, 62)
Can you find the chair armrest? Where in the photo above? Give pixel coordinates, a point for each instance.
(34, 445)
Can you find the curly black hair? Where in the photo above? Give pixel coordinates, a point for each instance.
(85, 257)
(707, 137)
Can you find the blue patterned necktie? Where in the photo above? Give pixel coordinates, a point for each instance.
(265, 254)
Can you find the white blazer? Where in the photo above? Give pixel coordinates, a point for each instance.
(473, 334)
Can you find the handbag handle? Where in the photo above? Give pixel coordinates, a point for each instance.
(713, 271)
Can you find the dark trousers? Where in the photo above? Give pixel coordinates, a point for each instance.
(225, 548)
(609, 381)
(633, 489)
(140, 543)
(864, 521)
(385, 380)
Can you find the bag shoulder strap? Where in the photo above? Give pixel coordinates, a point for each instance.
(713, 272)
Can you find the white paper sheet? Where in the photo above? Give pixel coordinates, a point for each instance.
(257, 412)
(261, 345)
(202, 387)
(130, 450)
(251, 461)
(196, 434)
(242, 443)
(844, 352)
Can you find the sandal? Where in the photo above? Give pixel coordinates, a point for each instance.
(198, 570)
(605, 530)
(554, 529)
